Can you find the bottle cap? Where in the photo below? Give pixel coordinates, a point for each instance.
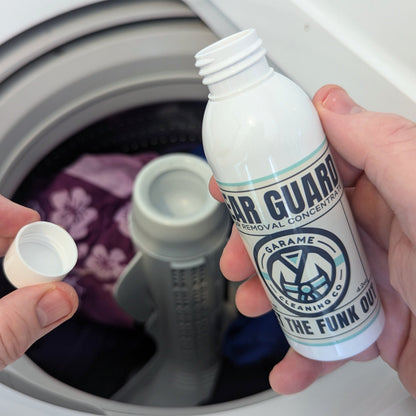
(41, 252)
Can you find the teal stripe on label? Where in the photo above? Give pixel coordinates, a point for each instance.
(266, 276)
(276, 174)
(339, 260)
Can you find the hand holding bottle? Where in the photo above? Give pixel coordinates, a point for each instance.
(269, 155)
(375, 154)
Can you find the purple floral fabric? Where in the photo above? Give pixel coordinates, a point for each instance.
(91, 199)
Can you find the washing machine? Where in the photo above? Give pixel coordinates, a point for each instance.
(69, 64)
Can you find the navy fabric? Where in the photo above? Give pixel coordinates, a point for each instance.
(249, 340)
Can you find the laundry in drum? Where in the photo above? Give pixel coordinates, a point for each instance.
(91, 198)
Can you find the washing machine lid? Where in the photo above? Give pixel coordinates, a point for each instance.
(366, 49)
(18, 16)
(362, 45)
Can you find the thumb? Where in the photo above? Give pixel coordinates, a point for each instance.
(383, 145)
(29, 313)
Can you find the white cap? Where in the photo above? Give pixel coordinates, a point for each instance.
(41, 252)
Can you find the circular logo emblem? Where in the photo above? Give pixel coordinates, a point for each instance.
(306, 270)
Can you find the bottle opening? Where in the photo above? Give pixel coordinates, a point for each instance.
(233, 63)
(224, 43)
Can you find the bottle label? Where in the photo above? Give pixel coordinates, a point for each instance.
(299, 231)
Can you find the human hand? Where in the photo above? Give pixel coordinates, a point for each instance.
(28, 313)
(376, 156)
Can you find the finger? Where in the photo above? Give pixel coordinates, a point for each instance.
(371, 211)
(348, 173)
(295, 372)
(384, 145)
(215, 190)
(29, 313)
(407, 363)
(5, 243)
(13, 217)
(235, 263)
(251, 299)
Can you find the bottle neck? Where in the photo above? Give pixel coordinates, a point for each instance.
(233, 64)
(242, 80)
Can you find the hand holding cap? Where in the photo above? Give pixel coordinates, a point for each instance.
(41, 252)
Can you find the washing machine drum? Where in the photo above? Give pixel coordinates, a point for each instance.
(113, 81)
(100, 349)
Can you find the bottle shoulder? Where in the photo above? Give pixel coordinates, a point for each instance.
(261, 129)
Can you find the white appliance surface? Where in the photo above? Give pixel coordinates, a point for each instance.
(353, 390)
(363, 45)
(18, 16)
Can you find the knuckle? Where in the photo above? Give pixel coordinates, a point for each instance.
(396, 129)
(13, 342)
(394, 147)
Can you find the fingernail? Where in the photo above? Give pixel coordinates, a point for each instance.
(338, 101)
(52, 307)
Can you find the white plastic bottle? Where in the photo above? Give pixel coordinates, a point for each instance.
(268, 152)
